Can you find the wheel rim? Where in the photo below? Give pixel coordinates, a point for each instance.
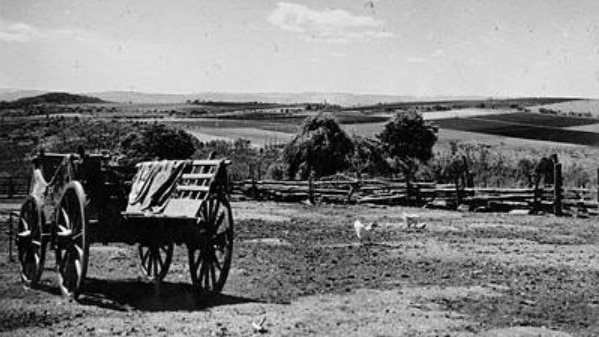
(72, 248)
(30, 242)
(210, 260)
(156, 260)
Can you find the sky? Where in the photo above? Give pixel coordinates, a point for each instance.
(399, 47)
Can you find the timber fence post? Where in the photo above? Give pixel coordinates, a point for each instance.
(10, 237)
(557, 192)
(537, 197)
(310, 191)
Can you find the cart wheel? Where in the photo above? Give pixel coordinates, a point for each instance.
(71, 237)
(210, 260)
(30, 241)
(155, 260)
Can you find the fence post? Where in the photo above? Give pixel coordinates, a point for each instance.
(458, 196)
(10, 237)
(598, 185)
(557, 192)
(11, 187)
(259, 171)
(254, 188)
(538, 195)
(310, 191)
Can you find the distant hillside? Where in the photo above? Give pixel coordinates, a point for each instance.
(8, 94)
(50, 98)
(486, 103)
(344, 99)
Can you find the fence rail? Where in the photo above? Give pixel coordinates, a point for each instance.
(14, 187)
(554, 198)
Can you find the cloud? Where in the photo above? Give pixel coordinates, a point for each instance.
(416, 60)
(16, 31)
(438, 53)
(331, 25)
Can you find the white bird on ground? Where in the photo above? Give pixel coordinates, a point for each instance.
(364, 231)
(411, 220)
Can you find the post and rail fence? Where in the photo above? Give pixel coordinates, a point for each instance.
(552, 198)
(14, 187)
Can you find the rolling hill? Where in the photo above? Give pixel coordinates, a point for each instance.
(59, 98)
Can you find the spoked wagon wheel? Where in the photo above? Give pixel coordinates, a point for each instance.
(155, 260)
(31, 244)
(71, 235)
(210, 259)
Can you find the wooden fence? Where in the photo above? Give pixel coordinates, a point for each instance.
(554, 198)
(14, 187)
(8, 222)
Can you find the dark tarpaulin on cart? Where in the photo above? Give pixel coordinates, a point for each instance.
(153, 184)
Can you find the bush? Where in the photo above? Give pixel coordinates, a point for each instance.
(367, 157)
(319, 149)
(158, 141)
(408, 140)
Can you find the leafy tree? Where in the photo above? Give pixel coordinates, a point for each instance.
(319, 149)
(157, 141)
(408, 140)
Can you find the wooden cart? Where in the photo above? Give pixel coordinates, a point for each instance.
(85, 202)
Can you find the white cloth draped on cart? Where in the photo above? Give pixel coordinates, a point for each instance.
(39, 185)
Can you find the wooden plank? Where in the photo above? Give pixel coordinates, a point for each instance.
(193, 188)
(197, 176)
(277, 182)
(576, 202)
(206, 162)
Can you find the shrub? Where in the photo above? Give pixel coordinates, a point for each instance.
(158, 141)
(319, 149)
(367, 157)
(408, 140)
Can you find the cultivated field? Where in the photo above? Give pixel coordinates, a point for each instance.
(478, 123)
(526, 126)
(301, 268)
(577, 106)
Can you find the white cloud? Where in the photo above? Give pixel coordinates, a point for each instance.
(16, 31)
(438, 53)
(416, 60)
(331, 25)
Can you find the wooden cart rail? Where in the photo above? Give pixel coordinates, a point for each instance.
(199, 180)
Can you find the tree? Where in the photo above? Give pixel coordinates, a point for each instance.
(157, 141)
(319, 149)
(408, 140)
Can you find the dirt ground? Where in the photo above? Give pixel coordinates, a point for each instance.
(301, 269)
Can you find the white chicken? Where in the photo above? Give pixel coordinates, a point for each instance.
(411, 221)
(364, 231)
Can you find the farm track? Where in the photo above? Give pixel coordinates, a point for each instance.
(301, 267)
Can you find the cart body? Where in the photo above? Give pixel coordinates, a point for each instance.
(85, 200)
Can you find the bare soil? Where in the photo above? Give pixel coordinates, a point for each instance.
(302, 269)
